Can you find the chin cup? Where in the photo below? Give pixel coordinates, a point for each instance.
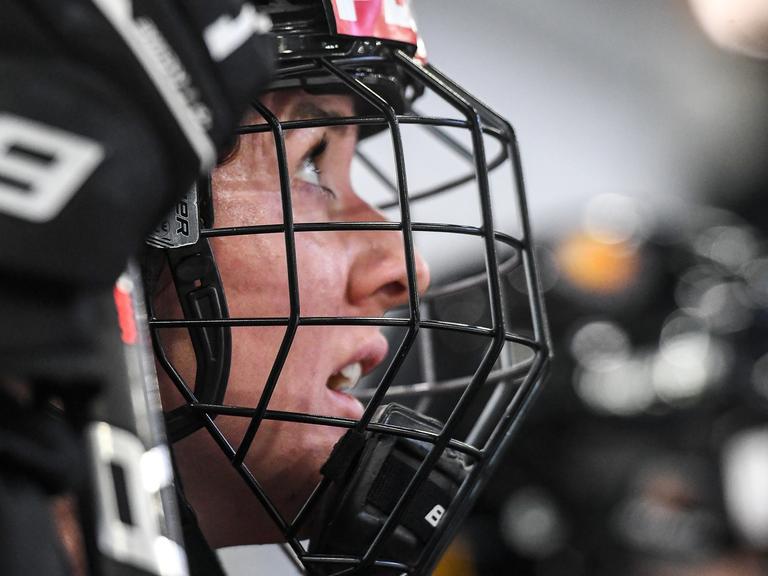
(370, 473)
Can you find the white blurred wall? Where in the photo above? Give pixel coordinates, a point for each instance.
(624, 96)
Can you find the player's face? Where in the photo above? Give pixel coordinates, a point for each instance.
(350, 273)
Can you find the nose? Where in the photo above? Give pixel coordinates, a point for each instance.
(378, 276)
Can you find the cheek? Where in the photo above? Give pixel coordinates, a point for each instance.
(254, 274)
(323, 266)
(247, 204)
(255, 278)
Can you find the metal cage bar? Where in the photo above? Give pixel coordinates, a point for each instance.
(293, 286)
(518, 381)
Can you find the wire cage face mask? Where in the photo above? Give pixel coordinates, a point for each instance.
(390, 482)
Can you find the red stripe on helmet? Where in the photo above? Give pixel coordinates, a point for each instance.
(382, 19)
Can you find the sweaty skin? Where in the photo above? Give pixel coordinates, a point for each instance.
(350, 273)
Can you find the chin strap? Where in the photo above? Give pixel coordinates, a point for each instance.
(369, 473)
(176, 242)
(201, 296)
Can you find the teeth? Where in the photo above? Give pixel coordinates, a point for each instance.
(346, 378)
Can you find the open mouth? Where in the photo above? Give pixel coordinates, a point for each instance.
(351, 369)
(347, 378)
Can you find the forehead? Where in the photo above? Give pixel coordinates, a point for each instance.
(301, 105)
(252, 149)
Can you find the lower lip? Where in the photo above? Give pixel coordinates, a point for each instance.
(347, 406)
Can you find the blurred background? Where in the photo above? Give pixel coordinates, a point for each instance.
(644, 150)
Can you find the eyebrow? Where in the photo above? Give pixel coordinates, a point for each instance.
(305, 110)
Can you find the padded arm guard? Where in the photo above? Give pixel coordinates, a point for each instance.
(108, 111)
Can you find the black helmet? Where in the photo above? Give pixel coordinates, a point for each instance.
(404, 470)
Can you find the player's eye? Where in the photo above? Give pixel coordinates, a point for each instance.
(310, 172)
